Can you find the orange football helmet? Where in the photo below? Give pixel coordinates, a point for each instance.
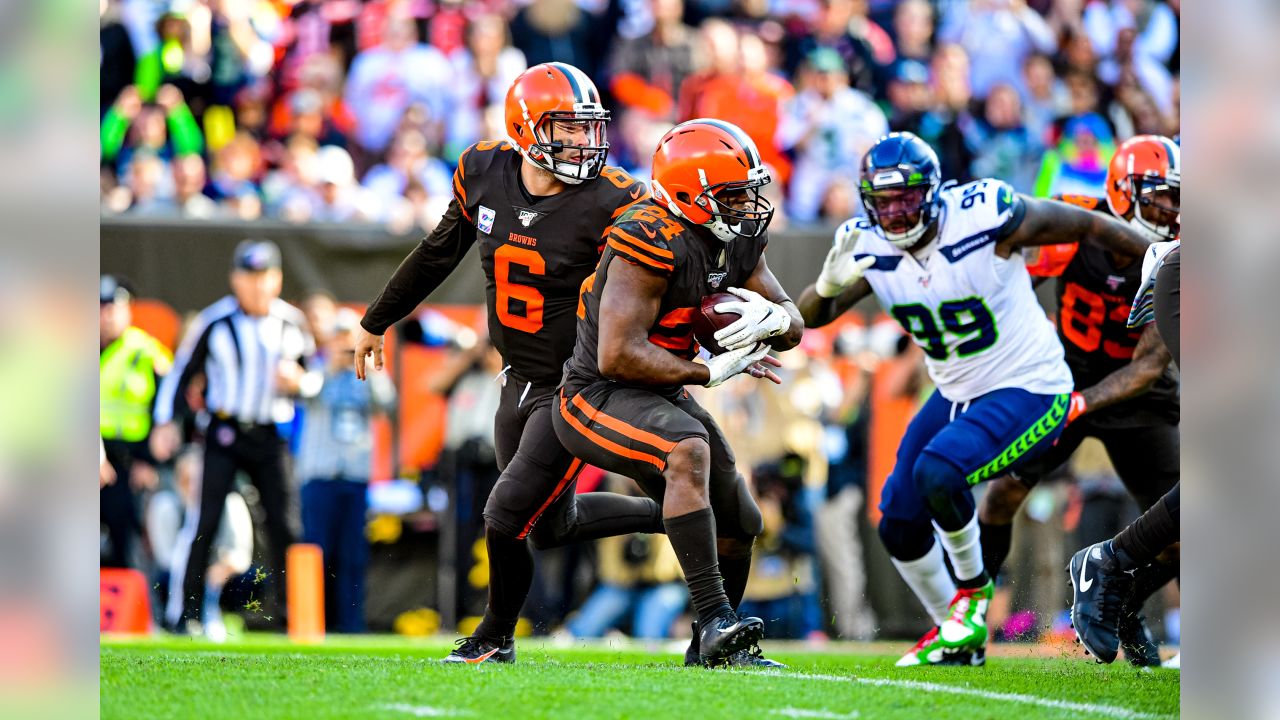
(558, 99)
(701, 163)
(1144, 185)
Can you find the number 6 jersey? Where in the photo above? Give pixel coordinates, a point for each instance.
(535, 253)
(973, 312)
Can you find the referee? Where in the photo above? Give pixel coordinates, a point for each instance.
(253, 350)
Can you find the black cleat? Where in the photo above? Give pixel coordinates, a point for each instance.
(474, 650)
(1140, 648)
(747, 657)
(727, 634)
(1100, 589)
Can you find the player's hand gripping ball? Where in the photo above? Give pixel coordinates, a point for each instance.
(708, 321)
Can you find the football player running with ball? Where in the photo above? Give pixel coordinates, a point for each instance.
(623, 406)
(537, 207)
(946, 263)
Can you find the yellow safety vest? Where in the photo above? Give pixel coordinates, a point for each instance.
(126, 375)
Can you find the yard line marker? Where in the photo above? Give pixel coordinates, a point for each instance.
(1113, 711)
(422, 710)
(820, 714)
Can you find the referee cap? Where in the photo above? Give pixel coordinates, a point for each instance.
(256, 256)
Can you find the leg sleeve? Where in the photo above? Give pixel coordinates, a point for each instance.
(1147, 459)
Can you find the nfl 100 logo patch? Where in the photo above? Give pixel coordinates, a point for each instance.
(484, 220)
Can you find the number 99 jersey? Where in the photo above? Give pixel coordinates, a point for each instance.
(973, 312)
(536, 252)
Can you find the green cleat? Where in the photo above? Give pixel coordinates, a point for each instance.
(966, 628)
(929, 650)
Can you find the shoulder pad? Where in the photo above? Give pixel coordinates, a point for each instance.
(986, 205)
(647, 235)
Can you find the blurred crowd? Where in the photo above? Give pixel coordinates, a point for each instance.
(356, 111)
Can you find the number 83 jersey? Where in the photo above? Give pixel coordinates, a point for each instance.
(536, 252)
(973, 312)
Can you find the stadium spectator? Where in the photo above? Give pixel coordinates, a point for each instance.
(941, 126)
(1138, 37)
(909, 95)
(483, 71)
(165, 128)
(913, 30)
(997, 35)
(408, 161)
(1077, 164)
(738, 87)
(1003, 146)
(334, 462)
(385, 80)
(1046, 97)
(647, 72)
(831, 30)
(829, 125)
(236, 168)
(562, 31)
(232, 551)
(130, 366)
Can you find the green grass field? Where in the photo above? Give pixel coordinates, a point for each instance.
(262, 677)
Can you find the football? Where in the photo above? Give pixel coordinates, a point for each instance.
(708, 321)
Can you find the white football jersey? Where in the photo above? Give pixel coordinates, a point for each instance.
(973, 312)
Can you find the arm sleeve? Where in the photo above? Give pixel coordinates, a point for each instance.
(184, 131)
(114, 128)
(422, 271)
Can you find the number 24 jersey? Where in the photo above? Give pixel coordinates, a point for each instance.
(974, 313)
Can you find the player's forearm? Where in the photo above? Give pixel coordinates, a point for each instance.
(640, 361)
(1150, 359)
(817, 311)
(1049, 223)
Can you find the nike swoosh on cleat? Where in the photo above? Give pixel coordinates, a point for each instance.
(1085, 583)
(486, 656)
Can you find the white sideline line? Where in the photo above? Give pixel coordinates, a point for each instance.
(1113, 711)
(422, 710)
(820, 714)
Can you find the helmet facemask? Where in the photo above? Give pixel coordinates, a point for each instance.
(738, 209)
(571, 145)
(1156, 203)
(903, 212)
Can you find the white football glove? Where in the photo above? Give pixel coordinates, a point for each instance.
(727, 364)
(840, 269)
(758, 319)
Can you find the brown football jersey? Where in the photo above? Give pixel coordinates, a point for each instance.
(694, 263)
(535, 251)
(1094, 298)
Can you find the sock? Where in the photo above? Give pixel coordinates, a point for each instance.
(996, 541)
(510, 577)
(928, 578)
(693, 537)
(1150, 534)
(735, 571)
(212, 610)
(604, 514)
(964, 548)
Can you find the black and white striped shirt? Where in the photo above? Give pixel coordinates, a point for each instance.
(239, 355)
